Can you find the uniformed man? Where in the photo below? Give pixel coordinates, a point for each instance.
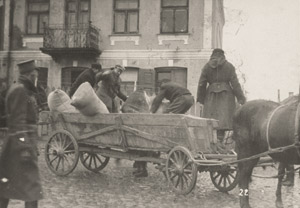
(19, 174)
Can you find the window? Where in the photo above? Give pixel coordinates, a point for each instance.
(126, 16)
(77, 13)
(174, 16)
(37, 15)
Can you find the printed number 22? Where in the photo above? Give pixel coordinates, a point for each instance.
(244, 192)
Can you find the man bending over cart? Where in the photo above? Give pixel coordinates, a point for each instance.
(181, 100)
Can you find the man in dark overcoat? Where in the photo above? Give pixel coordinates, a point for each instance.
(88, 75)
(110, 88)
(19, 174)
(217, 88)
(181, 99)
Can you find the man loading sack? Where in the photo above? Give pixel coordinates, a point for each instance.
(110, 87)
(181, 99)
(89, 75)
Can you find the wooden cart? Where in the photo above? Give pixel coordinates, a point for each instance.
(180, 145)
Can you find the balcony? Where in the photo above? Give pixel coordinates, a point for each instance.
(61, 41)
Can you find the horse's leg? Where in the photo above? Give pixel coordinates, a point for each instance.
(281, 171)
(245, 170)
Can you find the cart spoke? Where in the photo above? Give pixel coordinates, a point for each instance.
(57, 165)
(172, 160)
(229, 180)
(218, 174)
(95, 162)
(90, 161)
(67, 160)
(233, 176)
(63, 164)
(220, 181)
(99, 158)
(187, 177)
(56, 141)
(69, 151)
(187, 164)
(64, 140)
(224, 181)
(188, 171)
(172, 177)
(176, 157)
(177, 182)
(68, 145)
(181, 183)
(53, 159)
(85, 159)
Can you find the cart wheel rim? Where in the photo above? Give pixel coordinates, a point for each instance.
(93, 161)
(61, 153)
(181, 171)
(225, 179)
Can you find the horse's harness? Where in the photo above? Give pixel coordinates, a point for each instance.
(296, 133)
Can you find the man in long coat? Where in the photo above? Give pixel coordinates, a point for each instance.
(88, 75)
(110, 87)
(19, 175)
(223, 86)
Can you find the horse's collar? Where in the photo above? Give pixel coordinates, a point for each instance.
(268, 125)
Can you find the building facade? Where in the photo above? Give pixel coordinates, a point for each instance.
(153, 39)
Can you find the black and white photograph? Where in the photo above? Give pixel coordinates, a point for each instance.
(149, 103)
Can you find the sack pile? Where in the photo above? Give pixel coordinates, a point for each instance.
(59, 101)
(87, 102)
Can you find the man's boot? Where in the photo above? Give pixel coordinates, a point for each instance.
(289, 181)
(137, 167)
(143, 171)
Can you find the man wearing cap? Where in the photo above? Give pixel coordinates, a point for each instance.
(88, 75)
(110, 87)
(223, 86)
(19, 175)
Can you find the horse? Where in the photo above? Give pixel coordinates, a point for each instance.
(259, 127)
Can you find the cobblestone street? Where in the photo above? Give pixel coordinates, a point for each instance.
(115, 186)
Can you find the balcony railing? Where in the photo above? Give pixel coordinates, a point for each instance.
(62, 38)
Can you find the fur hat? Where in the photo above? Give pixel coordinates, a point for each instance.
(218, 51)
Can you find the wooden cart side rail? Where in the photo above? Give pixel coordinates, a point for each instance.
(48, 117)
(122, 155)
(134, 131)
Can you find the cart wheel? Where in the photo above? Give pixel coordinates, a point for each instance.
(225, 179)
(181, 171)
(61, 153)
(93, 161)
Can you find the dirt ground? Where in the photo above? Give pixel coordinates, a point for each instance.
(115, 186)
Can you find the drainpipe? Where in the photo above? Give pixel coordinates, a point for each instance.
(10, 39)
